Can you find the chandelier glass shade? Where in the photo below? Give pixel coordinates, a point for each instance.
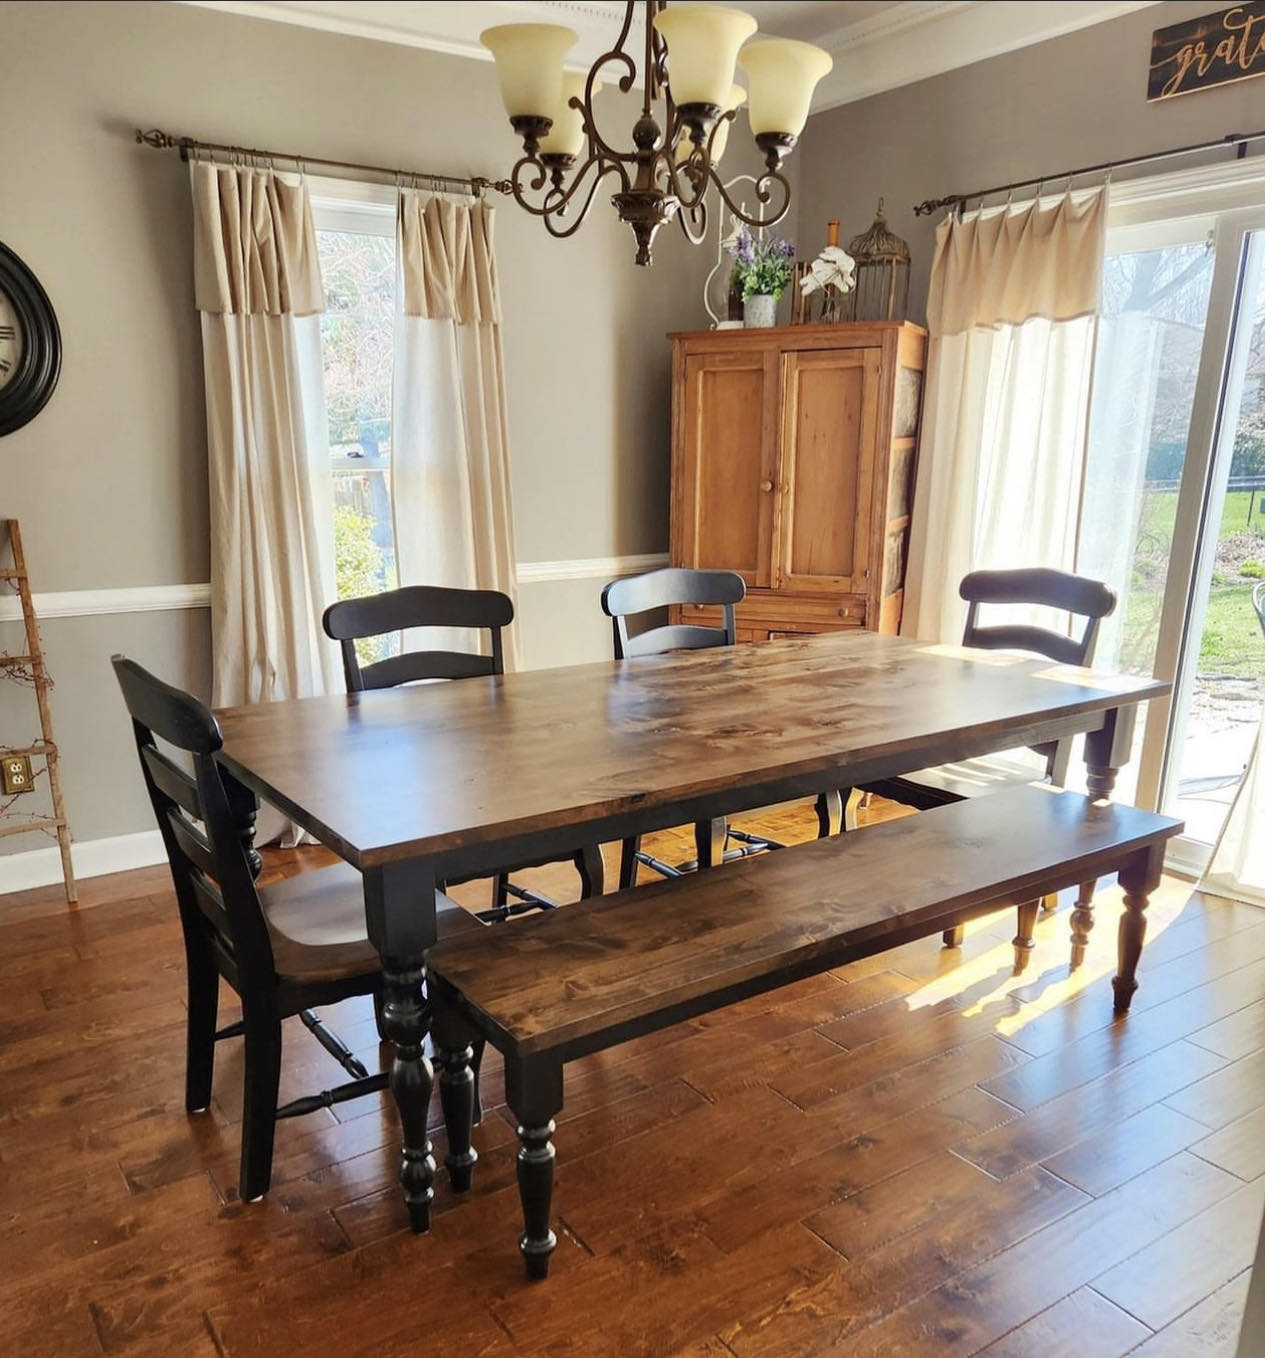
(690, 99)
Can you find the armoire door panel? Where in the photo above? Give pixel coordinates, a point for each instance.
(729, 445)
(829, 431)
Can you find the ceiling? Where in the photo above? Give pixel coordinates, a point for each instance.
(876, 44)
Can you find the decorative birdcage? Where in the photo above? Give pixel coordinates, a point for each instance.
(882, 274)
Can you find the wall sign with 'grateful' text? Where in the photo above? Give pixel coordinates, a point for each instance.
(1215, 50)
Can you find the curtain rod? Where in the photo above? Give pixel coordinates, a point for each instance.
(187, 146)
(1236, 139)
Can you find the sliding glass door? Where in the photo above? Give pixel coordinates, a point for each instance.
(1217, 707)
(1174, 482)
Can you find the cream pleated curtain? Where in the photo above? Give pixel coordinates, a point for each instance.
(258, 286)
(1011, 313)
(450, 473)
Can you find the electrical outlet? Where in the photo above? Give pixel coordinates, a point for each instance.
(17, 773)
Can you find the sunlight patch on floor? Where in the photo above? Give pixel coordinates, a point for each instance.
(988, 980)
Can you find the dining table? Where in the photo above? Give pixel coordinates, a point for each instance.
(431, 782)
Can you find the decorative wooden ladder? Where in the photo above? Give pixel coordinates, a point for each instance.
(31, 665)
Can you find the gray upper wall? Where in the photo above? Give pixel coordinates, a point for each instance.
(110, 480)
(1075, 100)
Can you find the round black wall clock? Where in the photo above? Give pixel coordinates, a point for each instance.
(30, 344)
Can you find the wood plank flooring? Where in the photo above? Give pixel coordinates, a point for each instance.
(919, 1154)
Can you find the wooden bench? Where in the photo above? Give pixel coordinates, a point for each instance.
(612, 968)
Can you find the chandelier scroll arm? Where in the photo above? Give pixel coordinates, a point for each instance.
(764, 194)
(555, 210)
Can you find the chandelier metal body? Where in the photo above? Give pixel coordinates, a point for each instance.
(672, 165)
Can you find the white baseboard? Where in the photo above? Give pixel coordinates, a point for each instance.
(92, 858)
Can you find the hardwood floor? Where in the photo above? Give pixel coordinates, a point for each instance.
(920, 1154)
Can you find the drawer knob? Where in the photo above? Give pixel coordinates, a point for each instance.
(766, 486)
(843, 612)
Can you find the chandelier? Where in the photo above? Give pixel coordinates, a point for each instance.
(688, 63)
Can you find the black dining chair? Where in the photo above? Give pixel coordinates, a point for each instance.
(1086, 602)
(636, 596)
(284, 948)
(430, 606)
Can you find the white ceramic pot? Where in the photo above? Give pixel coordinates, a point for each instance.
(759, 311)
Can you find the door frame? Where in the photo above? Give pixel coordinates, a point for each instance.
(1227, 202)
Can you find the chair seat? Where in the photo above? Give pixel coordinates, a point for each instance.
(974, 777)
(316, 921)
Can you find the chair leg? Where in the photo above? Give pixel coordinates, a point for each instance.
(829, 810)
(628, 851)
(1050, 901)
(259, 1113)
(591, 866)
(204, 1003)
(500, 891)
(709, 841)
(856, 799)
(953, 937)
(1024, 942)
(478, 1047)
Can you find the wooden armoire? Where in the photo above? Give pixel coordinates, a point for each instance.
(793, 455)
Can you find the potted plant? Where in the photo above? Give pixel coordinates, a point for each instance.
(762, 272)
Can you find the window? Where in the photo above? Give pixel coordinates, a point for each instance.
(356, 244)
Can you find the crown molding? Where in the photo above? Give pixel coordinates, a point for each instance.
(911, 41)
(915, 41)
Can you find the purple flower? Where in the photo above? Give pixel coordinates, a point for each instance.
(786, 249)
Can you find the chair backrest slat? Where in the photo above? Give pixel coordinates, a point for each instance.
(672, 586)
(417, 665)
(417, 606)
(1020, 637)
(676, 637)
(193, 843)
(202, 819)
(172, 780)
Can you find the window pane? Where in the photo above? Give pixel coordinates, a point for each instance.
(357, 332)
(1150, 337)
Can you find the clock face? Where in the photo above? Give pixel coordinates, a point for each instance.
(30, 344)
(11, 345)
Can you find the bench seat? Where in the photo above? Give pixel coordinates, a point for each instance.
(612, 968)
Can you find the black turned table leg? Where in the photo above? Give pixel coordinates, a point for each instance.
(533, 1090)
(452, 1040)
(1139, 877)
(400, 914)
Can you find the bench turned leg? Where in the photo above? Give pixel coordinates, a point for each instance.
(458, 1092)
(1139, 877)
(829, 810)
(1024, 942)
(533, 1090)
(1082, 921)
(953, 938)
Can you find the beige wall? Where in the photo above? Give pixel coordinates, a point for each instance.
(1076, 100)
(109, 482)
